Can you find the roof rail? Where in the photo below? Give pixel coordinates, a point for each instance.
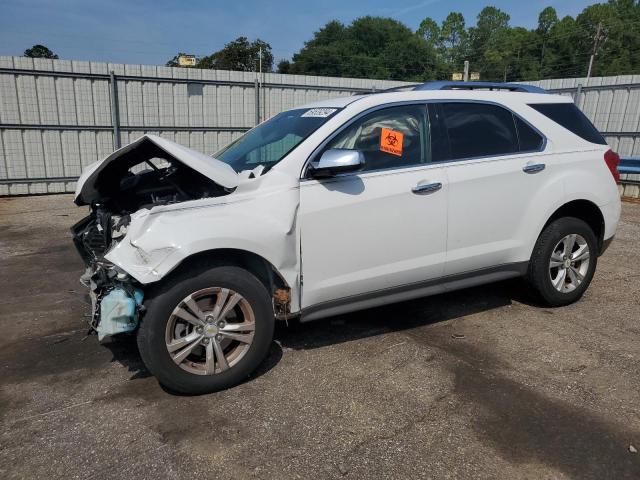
(447, 85)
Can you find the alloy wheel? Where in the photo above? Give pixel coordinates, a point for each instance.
(569, 263)
(210, 331)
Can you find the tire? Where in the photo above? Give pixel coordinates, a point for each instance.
(546, 279)
(203, 370)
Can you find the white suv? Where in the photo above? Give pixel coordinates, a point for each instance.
(341, 205)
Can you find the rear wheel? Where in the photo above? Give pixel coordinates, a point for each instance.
(563, 261)
(206, 330)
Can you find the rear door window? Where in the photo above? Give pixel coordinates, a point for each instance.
(479, 130)
(461, 130)
(571, 118)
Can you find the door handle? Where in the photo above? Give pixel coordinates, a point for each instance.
(425, 188)
(533, 168)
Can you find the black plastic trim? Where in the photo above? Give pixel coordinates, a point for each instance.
(605, 244)
(414, 290)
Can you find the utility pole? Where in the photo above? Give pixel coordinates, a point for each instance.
(260, 78)
(597, 41)
(465, 75)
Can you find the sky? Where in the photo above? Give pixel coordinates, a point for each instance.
(153, 31)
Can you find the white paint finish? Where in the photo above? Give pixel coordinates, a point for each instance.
(491, 202)
(367, 232)
(217, 171)
(258, 217)
(362, 233)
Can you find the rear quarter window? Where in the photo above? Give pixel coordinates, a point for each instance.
(570, 117)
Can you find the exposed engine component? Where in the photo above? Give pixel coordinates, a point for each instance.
(148, 172)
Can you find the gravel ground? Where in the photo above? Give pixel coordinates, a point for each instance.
(475, 384)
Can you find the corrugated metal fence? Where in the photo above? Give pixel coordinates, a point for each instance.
(613, 105)
(57, 116)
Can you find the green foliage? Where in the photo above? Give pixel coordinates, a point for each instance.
(377, 47)
(372, 47)
(240, 54)
(39, 51)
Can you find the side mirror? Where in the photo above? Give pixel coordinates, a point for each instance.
(335, 161)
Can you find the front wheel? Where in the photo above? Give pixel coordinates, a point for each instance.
(563, 261)
(206, 330)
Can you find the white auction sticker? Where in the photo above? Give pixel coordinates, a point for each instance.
(319, 112)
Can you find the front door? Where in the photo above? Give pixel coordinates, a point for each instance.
(383, 227)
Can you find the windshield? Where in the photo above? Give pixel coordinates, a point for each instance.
(270, 141)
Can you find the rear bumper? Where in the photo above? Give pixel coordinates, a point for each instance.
(611, 214)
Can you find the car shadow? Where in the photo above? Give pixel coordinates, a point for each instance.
(297, 335)
(400, 316)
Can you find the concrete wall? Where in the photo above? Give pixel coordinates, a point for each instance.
(56, 115)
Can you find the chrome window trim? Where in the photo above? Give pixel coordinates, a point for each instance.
(347, 124)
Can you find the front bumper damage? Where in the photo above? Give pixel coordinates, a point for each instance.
(115, 305)
(150, 171)
(116, 298)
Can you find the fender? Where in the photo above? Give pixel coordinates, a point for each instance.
(160, 239)
(584, 176)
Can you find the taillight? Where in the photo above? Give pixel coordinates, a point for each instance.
(612, 159)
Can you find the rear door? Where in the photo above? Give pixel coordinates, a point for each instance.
(495, 165)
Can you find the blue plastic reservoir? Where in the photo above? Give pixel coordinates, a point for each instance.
(118, 312)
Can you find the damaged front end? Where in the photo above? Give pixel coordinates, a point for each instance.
(116, 299)
(146, 173)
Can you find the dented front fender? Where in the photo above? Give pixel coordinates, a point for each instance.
(259, 218)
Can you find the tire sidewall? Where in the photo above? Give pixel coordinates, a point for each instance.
(151, 334)
(547, 242)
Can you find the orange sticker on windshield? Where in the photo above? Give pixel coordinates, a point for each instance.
(391, 141)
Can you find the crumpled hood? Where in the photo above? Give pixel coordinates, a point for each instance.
(219, 172)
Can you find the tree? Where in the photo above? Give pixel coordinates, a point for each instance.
(284, 66)
(454, 38)
(430, 31)
(489, 41)
(39, 51)
(240, 54)
(376, 47)
(546, 21)
(372, 47)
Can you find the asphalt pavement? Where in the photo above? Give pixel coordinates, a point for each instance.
(480, 383)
